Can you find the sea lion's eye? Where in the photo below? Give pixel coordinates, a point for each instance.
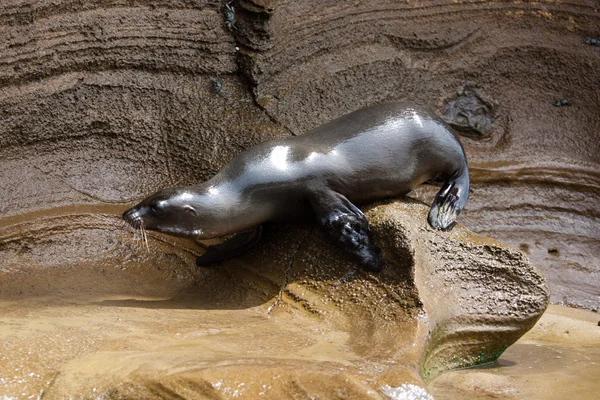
(190, 210)
(157, 209)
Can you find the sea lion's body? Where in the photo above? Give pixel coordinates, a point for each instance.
(374, 153)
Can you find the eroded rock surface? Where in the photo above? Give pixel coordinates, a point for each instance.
(292, 317)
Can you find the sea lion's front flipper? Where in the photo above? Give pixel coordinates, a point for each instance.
(236, 246)
(347, 227)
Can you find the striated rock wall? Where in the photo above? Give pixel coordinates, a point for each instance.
(104, 101)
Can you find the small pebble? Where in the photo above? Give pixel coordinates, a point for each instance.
(592, 41)
(562, 103)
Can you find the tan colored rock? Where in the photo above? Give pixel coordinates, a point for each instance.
(294, 317)
(480, 296)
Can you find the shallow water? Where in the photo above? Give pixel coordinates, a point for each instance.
(54, 346)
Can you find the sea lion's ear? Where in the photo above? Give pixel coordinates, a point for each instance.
(347, 227)
(236, 246)
(190, 210)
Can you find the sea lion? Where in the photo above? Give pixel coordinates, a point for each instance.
(377, 152)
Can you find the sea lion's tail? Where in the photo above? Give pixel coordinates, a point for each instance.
(450, 200)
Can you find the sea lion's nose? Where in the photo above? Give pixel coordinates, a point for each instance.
(131, 215)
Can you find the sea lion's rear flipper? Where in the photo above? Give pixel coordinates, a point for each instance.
(236, 246)
(450, 200)
(347, 227)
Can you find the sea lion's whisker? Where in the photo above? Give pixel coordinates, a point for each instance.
(139, 233)
(144, 236)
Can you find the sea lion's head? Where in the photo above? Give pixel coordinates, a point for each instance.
(175, 211)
